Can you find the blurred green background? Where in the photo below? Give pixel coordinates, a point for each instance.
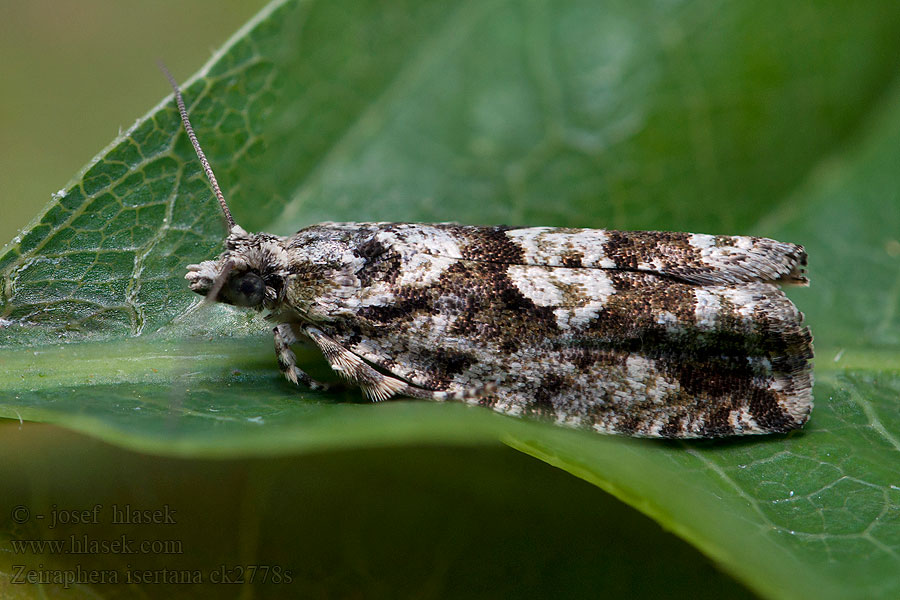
(456, 519)
(74, 73)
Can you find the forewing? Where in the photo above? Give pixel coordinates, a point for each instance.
(606, 348)
(688, 257)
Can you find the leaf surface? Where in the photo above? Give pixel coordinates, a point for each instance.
(768, 119)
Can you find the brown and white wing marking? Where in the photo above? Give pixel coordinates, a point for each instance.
(658, 349)
(691, 257)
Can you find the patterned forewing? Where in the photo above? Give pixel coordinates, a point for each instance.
(605, 348)
(690, 257)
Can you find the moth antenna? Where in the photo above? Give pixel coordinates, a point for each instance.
(190, 131)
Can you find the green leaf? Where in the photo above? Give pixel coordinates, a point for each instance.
(763, 118)
(436, 522)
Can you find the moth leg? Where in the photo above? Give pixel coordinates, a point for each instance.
(375, 385)
(287, 362)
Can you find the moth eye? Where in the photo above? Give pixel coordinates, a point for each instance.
(246, 290)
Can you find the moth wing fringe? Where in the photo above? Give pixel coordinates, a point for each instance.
(377, 386)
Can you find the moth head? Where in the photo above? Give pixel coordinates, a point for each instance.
(250, 273)
(220, 282)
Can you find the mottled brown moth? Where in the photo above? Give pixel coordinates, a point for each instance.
(642, 333)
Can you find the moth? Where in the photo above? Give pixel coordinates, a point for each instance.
(642, 333)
